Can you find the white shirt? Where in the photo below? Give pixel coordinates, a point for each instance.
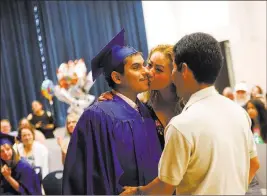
(208, 147)
(127, 100)
(40, 154)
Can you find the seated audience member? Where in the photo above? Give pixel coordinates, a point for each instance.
(39, 136)
(42, 120)
(257, 93)
(17, 176)
(257, 113)
(71, 122)
(35, 153)
(228, 92)
(6, 128)
(241, 94)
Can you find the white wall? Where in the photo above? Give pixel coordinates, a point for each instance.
(243, 23)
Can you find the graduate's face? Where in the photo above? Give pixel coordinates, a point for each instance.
(161, 68)
(6, 152)
(26, 137)
(135, 77)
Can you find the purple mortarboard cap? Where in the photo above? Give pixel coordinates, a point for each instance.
(111, 56)
(6, 139)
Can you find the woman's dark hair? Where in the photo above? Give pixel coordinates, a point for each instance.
(262, 116)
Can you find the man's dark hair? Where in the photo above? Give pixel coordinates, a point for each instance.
(119, 69)
(203, 55)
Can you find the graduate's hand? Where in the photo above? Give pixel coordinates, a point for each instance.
(105, 96)
(128, 190)
(6, 171)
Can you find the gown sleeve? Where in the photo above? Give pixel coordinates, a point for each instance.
(91, 165)
(28, 180)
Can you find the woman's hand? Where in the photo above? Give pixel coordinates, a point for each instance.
(60, 141)
(49, 126)
(38, 125)
(105, 96)
(6, 171)
(129, 190)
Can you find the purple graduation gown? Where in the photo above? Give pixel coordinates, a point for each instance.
(29, 183)
(112, 146)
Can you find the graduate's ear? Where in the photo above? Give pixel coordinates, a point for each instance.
(116, 77)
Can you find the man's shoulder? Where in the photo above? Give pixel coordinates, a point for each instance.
(40, 146)
(237, 110)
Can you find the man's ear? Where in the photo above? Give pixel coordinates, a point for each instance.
(116, 77)
(184, 70)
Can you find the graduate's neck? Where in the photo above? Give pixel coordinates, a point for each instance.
(127, 93)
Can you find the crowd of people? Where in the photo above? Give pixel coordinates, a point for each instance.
(254, 102)
(169, 138)
(27, 146)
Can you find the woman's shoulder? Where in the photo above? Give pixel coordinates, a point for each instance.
(18, 147)
(40, 146)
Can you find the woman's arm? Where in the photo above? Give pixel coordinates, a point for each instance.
(13, 183)
(63, 156)
(6, 171)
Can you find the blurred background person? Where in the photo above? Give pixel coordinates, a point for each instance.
(35, 153)
(7, 128)
(42, 120)
(257, 113)
(228, 92)
(257, 93)
(39, 136)
(241, 94)
(17, 176)
(63, 143)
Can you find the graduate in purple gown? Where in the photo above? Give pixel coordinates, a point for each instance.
(17, 177)
(115, 142)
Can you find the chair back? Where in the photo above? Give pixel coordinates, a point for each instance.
(38, 171)
(52, 183)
